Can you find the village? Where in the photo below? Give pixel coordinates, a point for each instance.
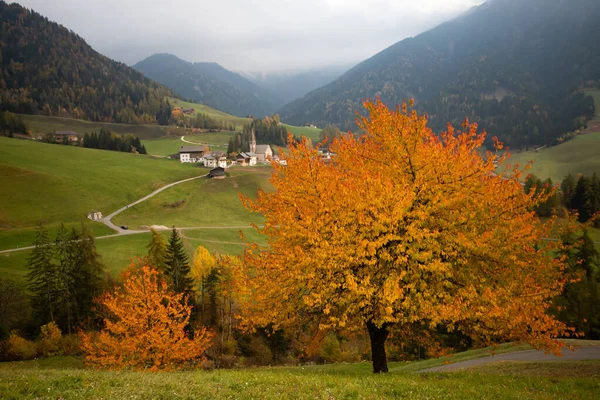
(219, 161)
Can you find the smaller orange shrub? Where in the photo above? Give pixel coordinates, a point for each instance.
(145, 327)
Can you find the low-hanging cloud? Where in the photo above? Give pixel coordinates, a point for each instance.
(250, 35)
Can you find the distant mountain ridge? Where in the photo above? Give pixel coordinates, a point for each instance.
(514, 66)
(208, 83)
(289, 86)
(47, 69)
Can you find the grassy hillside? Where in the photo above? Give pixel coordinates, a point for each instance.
(577, 156)
(204, 202)
(213, 113)
(311, 133)
(65, 377)
(43, 124)
(170, 145)
(49, 184)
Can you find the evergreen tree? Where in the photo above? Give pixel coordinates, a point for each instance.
(567, 187)
(87, 275)
(157, 250)
(178, 265)
(579, 304)
(42, 279)
(65, 253)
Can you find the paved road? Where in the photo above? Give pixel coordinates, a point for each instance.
(134, 232)
(583, 353)
(209, 144)
(108, 219)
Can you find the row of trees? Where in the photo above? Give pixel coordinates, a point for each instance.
(11, 124)
(266, 131)
(202, 121)
(581, 195)
(65, 275)
(108, 140)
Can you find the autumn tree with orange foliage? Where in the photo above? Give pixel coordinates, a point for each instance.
(403, 228)
(146, 327)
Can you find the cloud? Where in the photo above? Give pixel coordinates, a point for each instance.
(251, 35)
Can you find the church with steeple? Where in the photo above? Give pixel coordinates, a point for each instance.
(253, 142)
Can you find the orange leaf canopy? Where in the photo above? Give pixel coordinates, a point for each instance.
(403, 227)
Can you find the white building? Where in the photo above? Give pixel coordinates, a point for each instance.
(246, 159)
(263, 152)
(214, 160)
(191, 154)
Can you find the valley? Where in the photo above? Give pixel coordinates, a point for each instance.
(399, 250)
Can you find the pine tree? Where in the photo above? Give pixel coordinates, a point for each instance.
(157, 250)
(579, 302)
(178, 265)
(65, 257)
(567, 187)
(42, 279)
(87, 275)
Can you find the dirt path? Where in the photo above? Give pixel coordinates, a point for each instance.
(583, 353)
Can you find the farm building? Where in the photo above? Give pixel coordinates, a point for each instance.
(70, 135)
(217, 173)
(192, 154)
(189, 111)
(215, 159)
(246, 159)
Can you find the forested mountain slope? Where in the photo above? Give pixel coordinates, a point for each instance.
(45, 68)
(208, 83)
(515, 66)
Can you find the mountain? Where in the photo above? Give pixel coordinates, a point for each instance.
(208, 83)
(515, 66)
(289, 86)
(47, 69)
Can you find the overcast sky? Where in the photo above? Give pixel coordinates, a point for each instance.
(248, 35)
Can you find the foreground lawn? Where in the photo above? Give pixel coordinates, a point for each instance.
(65, 378)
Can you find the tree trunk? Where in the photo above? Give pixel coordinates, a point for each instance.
(378, 335)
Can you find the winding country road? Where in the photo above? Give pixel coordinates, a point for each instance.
(108, 219)
(208, 144)
(120, 232)
(580, 354)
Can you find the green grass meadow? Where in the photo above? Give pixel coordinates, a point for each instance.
(239, 122)
(67, 378)
(202, 202)
(579, 155)
(44, 124)
(311, 133)
(49, 184)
